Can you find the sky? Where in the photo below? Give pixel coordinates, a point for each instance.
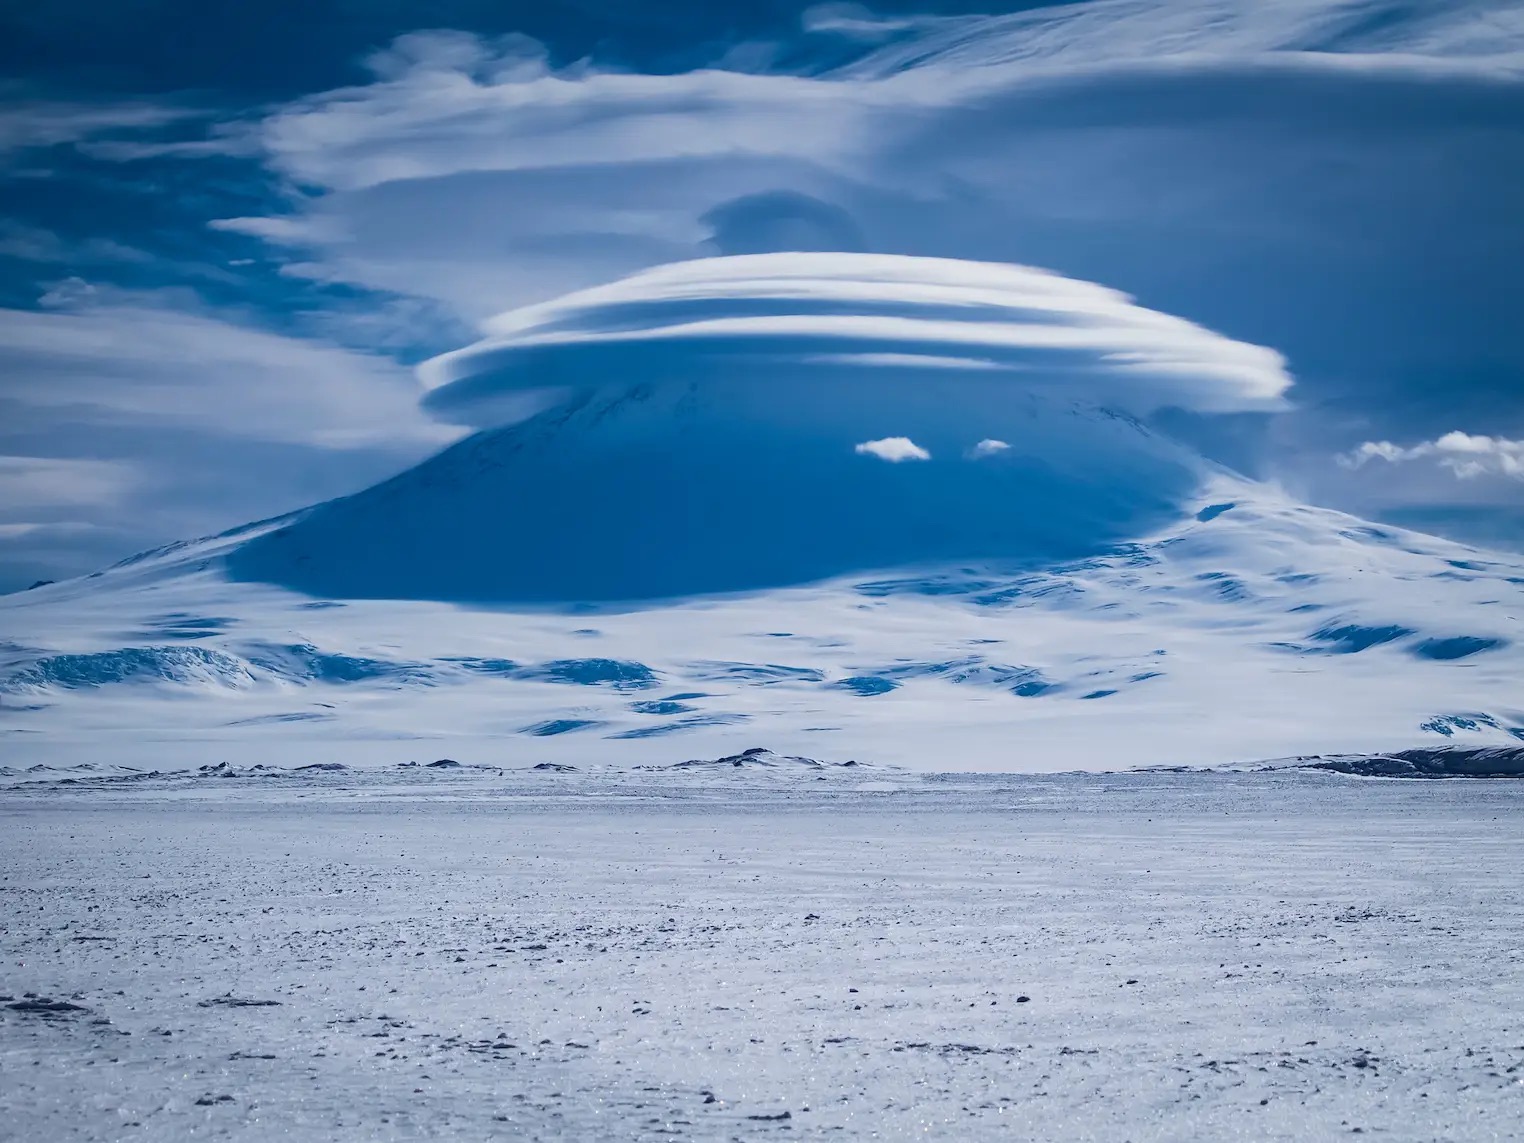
(230, 233)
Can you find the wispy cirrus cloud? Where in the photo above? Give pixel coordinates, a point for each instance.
(28, 124)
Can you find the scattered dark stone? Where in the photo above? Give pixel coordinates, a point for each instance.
(211, 1100)
(231, 1001)
(444, 764)
(1023, 1000)
(710, 1097)
(812, 916)
(1431, 762)
(554, 768)
(42, 1006)
(782, 1115)
(41, 583)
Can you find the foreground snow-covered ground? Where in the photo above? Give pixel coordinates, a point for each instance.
(752, 953)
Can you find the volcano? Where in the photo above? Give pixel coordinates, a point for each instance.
(843, 506)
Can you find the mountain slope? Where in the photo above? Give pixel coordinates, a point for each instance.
(659, 492)
(1252, 627)
(839, 505)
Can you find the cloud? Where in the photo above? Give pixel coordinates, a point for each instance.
(447, 102)
(283, 230)
(28, 483)
(857, 22)
(987, 447)
(893, 449)
(135, 359)
(856, 318)
(35, 123)
(126, 422)
(34, 244)
(1337, 179)
(1265, 170)
(1464, 455)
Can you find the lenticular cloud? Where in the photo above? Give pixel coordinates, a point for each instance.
(853, 319)
(750, 422)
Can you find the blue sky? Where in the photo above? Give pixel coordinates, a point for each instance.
(227, 234)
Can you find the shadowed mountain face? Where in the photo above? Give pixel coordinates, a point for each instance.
(666, 491)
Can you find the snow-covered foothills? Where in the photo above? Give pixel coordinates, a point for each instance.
(1254, 628)
(691, 519)
(754, 952)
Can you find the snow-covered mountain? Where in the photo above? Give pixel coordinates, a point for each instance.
(672, 491)
(946, 569)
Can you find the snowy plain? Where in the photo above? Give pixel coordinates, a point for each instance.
(733, 953)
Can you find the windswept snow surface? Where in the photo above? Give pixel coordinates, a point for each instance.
(761, 952)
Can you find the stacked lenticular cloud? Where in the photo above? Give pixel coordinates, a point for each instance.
(745, 423)
(860, 319)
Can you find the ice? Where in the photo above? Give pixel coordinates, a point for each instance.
(770, 950)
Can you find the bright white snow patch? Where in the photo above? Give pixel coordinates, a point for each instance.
(893, 449)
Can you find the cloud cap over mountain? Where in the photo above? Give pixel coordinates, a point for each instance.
(855, 318)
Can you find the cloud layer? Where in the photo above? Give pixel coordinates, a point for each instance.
(1337, 179)
(855, 319)
(130, 420)
(1465, 455)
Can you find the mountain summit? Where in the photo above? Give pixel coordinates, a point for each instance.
(862, 507)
